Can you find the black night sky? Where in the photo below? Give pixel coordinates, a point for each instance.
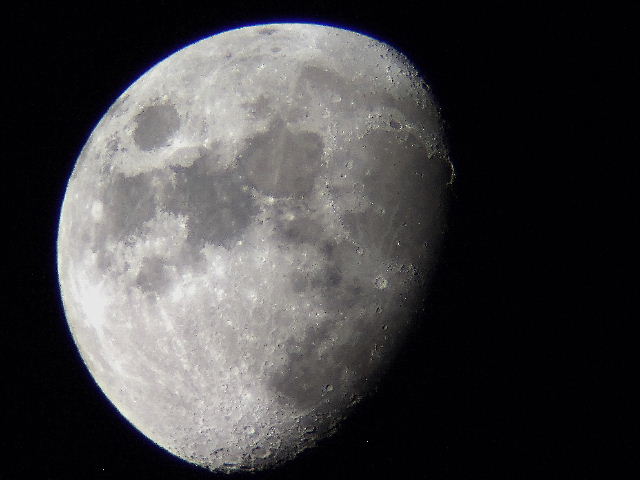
(509, 373)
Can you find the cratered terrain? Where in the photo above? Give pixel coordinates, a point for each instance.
(247, 235)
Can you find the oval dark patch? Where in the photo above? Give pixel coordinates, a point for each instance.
(155, 125)
(267, 31)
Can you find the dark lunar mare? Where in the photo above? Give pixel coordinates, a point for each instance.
(128, 202)
(406, 190)
(219, 205)
(155, 125)
(282, 163)
(405, 187)
(399, 179)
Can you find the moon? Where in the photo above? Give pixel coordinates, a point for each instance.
(247, 236)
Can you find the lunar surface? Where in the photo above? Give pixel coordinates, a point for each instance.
(247, 235)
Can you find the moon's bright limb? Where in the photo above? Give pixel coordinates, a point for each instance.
(246, 235)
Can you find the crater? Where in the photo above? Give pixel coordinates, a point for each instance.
(155, 125)
(282, 163)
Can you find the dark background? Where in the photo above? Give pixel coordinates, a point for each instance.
(518, 367)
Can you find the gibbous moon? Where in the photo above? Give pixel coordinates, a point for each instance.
(247, 235)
